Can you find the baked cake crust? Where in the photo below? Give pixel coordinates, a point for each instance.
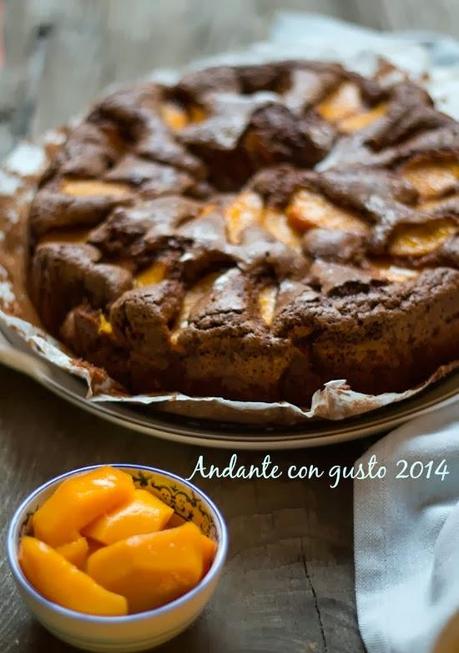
(253, 232)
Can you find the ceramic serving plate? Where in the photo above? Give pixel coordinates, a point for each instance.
(228, 436)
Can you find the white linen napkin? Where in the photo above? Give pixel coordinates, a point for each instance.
(406, 538)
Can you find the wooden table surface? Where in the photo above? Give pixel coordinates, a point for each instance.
(288, 583)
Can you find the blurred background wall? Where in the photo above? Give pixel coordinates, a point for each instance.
(58, 54)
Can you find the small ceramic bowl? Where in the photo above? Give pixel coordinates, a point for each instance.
(137, 632)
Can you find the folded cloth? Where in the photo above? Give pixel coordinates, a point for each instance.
(406, 537)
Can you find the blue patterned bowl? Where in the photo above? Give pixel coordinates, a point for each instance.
(137, 632)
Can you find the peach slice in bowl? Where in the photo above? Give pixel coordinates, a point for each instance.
(122, 568)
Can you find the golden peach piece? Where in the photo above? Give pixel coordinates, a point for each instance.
(78, 501)
(343, 102)
(197, 113)
(192, 296)
(152, 275)
(432, 178)
(174, 116)
(439, 203)
(209, 550)
(421, 239)
(267, 304)
(94, 188)
(308, 209)
(144, 514)
(278, 226)
(76, 552)
(245, 210)
(362, 120)
(104, 325)
(385, 269)
(58, 580)
(153, 569)
(207, 210)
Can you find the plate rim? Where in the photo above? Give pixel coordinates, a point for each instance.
(220, 441)
(206, 435)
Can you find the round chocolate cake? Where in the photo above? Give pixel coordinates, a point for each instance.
(252, 232)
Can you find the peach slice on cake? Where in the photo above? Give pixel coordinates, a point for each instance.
(308, 209)
(94, 188)
(363, 119)
(151, 275)
(421, 239)
(432, 178)
(245, 210)
(341, 103)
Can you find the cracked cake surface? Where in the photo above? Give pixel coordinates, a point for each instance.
(253, 232)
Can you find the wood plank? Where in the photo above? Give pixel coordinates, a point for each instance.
(73, 71)
(27, 27)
